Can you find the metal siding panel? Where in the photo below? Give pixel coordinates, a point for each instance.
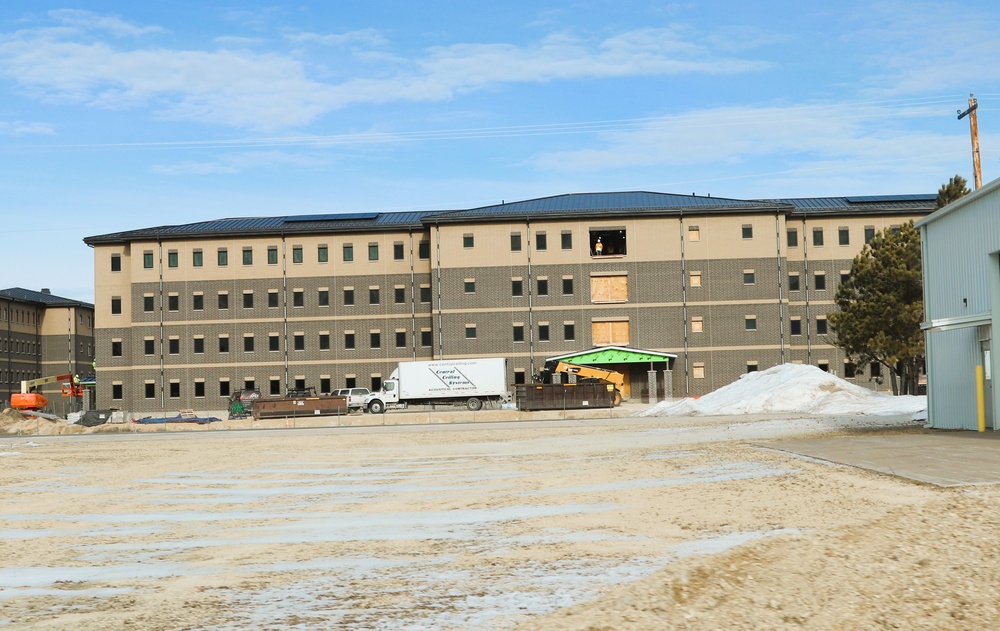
(958, 247)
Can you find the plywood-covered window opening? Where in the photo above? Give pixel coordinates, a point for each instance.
(609, 287)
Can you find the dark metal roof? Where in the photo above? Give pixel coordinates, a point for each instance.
(347, 222)
(28, 295)
(870, 204)
(631, 202)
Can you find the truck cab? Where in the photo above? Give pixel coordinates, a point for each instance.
(376, 402)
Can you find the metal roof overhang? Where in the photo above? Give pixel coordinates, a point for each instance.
(614, 355)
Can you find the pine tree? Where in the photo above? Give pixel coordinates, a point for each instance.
(956, 188)
(881, 307)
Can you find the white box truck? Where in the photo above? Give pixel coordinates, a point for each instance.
(470, 382)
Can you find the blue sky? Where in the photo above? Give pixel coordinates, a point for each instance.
(122, 115)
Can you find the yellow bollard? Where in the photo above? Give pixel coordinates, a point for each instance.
(981, 398)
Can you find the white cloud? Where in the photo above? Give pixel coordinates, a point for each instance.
(87, 20)
(369, 37)
(266, 91)
(22, 128)
(233, 163)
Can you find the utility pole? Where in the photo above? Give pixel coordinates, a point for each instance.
(974, 130)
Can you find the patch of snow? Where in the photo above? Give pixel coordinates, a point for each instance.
(791, 388)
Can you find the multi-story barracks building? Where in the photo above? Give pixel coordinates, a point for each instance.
(188, 314)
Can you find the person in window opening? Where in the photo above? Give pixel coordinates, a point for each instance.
(598, 247)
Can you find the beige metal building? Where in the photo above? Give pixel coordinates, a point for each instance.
(44, 335)
(188, 314)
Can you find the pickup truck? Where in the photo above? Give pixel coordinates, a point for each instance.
(355, 397)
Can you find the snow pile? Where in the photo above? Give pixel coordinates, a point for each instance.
(791, 388)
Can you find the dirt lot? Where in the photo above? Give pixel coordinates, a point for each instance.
(628, 524)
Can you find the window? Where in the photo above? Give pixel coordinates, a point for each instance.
(348, 296)
(272, 299)
(272, 255)
(695, 279)
(223, 343)
(470, 331)
(399, 295)
(609, 288)
(174, 346)
(543, 332)
(426, 338)
(349, 340)
(470, 285)
(248, 343)
(817, 236)
(198, 302)
(400, 339)
(844, 235)
(116, 262)
(197, 258)
(567, 285)
(518, 332)
(698, 370)
(519, 377)
(324, 384)
(116, 305)
(322, 254)
(273, 343)
(752, 367)
(199, 389)
(566, 240)
(845, 276)
(348, 252)
(425, 293)
(795, 326)
(372, 251)
(175, 389)
(793, 282)
(323, 297)
(324, 341)
(793, 237)
(172, 258)
(298, 298)
(607, 241)
(248, 256)
(468, 241)
(747, 231)
(299, 341)
(869, 234)
(749, 277)
(424, 250)
(516, 287)
(373, 296)
(249, 384)
(297, 254)
(147, 259)
(821, 327)
(875, 369)
(611, 331)
(274, 387)
(697, 324)
(750, 323)
(150, 390)
(850, 370)
(248, 300)
(222, 257)
(694, 233)
(823, 365)
(116, 391)
(223, 387)
(541, 241)
(543, 287)
(173, 302)
(223, 301)
(148, 346)
(198, 345)
(820, 280)
(515, 241)
(116, 348)
(375, 337)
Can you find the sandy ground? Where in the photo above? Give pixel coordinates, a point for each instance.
(646, 523)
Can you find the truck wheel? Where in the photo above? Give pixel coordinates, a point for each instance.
(618, 398)
(474, 404)
(376, 407)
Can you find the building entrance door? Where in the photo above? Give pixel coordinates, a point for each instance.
(984, 347)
